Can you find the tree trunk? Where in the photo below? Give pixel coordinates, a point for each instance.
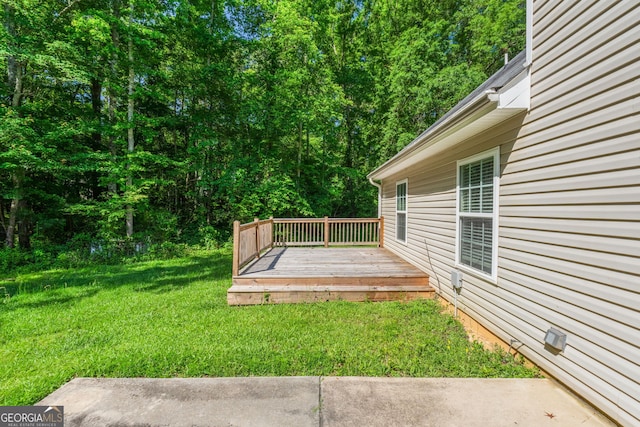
(13, 67)
(96, 137)
(11, 228)
(17, 176)
(130, 123)
(2, 217)
(24, 225)
(16, 203)
(16, 100)
(15, 80)
(112, 187)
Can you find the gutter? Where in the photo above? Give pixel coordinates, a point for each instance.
(379, 187)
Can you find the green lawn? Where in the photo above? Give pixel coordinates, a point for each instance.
(170, 319)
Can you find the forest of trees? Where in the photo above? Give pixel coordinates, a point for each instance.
(165, 120)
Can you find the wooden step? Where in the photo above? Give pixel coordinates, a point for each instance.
(275, 294)
(332, 280)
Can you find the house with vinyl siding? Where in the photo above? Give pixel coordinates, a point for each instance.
(529, 191)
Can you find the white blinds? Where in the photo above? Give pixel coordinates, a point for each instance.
(401, 211)
(476, 237)
(476, 186)
(401, 197)
(401, 226)
(476, 214)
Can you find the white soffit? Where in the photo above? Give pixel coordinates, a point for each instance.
(485, 111)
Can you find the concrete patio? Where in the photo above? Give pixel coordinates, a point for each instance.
(320, 401)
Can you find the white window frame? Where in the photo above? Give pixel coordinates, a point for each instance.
(405, 211)
(494, 215)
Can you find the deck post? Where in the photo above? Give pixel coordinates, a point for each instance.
(273, 231)
(236, 247)
(381, 233)
(257, 221)
(326, 231)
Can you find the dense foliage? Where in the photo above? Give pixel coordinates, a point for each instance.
(140, 120)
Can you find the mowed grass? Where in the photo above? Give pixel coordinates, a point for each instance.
(171, 319)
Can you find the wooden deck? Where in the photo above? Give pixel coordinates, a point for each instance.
(292, 275)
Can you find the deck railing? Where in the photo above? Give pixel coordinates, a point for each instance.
(251, 239)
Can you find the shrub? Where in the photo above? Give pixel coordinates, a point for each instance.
(166, 250)
(11, 259)
(210, 237)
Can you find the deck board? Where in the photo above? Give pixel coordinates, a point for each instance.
(323, 262)
(320, 274)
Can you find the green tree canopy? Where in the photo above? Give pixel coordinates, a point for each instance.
(186, 115)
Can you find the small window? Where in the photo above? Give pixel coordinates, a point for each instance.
(477, 212)
(401, 211)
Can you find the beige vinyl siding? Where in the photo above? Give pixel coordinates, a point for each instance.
(432, 199)
(569, 210)
(598, 212)
(570, 202)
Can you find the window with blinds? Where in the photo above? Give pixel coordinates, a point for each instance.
(477, 200)
(401, 211)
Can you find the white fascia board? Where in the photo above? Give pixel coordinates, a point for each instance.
(488, 109)
(516, 94)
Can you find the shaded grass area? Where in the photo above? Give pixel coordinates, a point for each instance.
(170, 319)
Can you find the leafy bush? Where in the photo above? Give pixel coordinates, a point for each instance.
(166, 250)
(210, 237)
(87, 249)
(11, 259)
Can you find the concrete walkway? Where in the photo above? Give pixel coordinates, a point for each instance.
(320, 401)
